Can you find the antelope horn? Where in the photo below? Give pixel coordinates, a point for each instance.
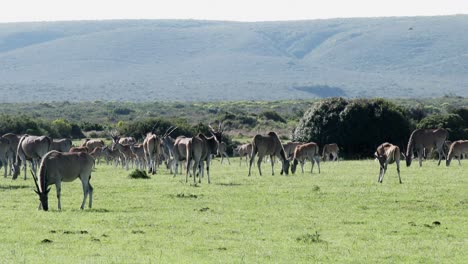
(35, 180)
(211, 128)
(155, 125)
(171, 131)
(167, 130)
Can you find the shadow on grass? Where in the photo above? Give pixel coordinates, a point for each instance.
(229, 184)
(14, 187)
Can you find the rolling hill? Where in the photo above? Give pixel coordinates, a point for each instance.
(191, 60)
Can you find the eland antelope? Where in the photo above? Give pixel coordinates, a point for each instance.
(57, 167)
(303, 152)
(457, 149)
(125, 149)
(14, 141)
(92, 143)
(32, 149)
(152, 148)
(269, 144)
(61, 145)
(222, 151)
(424, 140)
(139, 153)
(244, 150)
(4, 152)
(290, 147)
(201, 149)
(180, 152)
(330, 149)
(127, 140)
(387, 154)
(78, 149)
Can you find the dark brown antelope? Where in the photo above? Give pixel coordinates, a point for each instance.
(32, 149)
(457, 149)
(57, 167)
(270, 145)
(307, 151)
(200, 149)
(330, 149)
(62, 145)
(387, 154)
(423, 141)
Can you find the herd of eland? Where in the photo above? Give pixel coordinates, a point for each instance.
(59, 161)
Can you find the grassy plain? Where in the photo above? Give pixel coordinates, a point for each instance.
(340, 215)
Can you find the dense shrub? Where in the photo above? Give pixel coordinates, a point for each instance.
(454, 124)
(272, 115)
(27, 125)
(357, 126)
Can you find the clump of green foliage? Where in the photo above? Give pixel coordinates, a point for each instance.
(139, 174)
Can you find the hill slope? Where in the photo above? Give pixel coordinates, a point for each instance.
(187, 60)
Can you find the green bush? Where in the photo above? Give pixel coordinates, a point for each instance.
(357, 126)
(454, 124)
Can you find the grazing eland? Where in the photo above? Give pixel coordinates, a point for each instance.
(57, 167)
(457, 149)
(303, 152)
(32, 149)
(330, 149)
(387, 154)
(423, 140)
(269, 144)
(61, 145)
(4, 152)
(201, 149)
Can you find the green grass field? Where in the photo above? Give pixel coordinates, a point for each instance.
(341, 215)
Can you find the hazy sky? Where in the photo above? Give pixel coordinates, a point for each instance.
(238, 10)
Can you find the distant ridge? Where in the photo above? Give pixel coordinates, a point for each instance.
(193, 60)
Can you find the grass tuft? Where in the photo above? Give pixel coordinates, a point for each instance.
(139, 174)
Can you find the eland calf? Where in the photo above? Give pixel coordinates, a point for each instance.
(307, 151)
(57, 167)
(330, 149)
(387, 154)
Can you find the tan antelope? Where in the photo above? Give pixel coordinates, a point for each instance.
(387, 154)
(139, 153)
(244, 150)
(57, 167)
(457, 149)
(78, 149)
(32, 149)
(223, 152)
(179, 152)
(61, 145)
(307, 151)
(4, 152)
(97, 153)
(269, 144)
(127, 140)
(125, 149)
(92, 143)
(14, 141)
(152, 149)
(113, 156)
(290, 147)
(201, 149)
(330, 149)
(424, 140)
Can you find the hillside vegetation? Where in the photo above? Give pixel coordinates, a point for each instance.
(189, 60)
